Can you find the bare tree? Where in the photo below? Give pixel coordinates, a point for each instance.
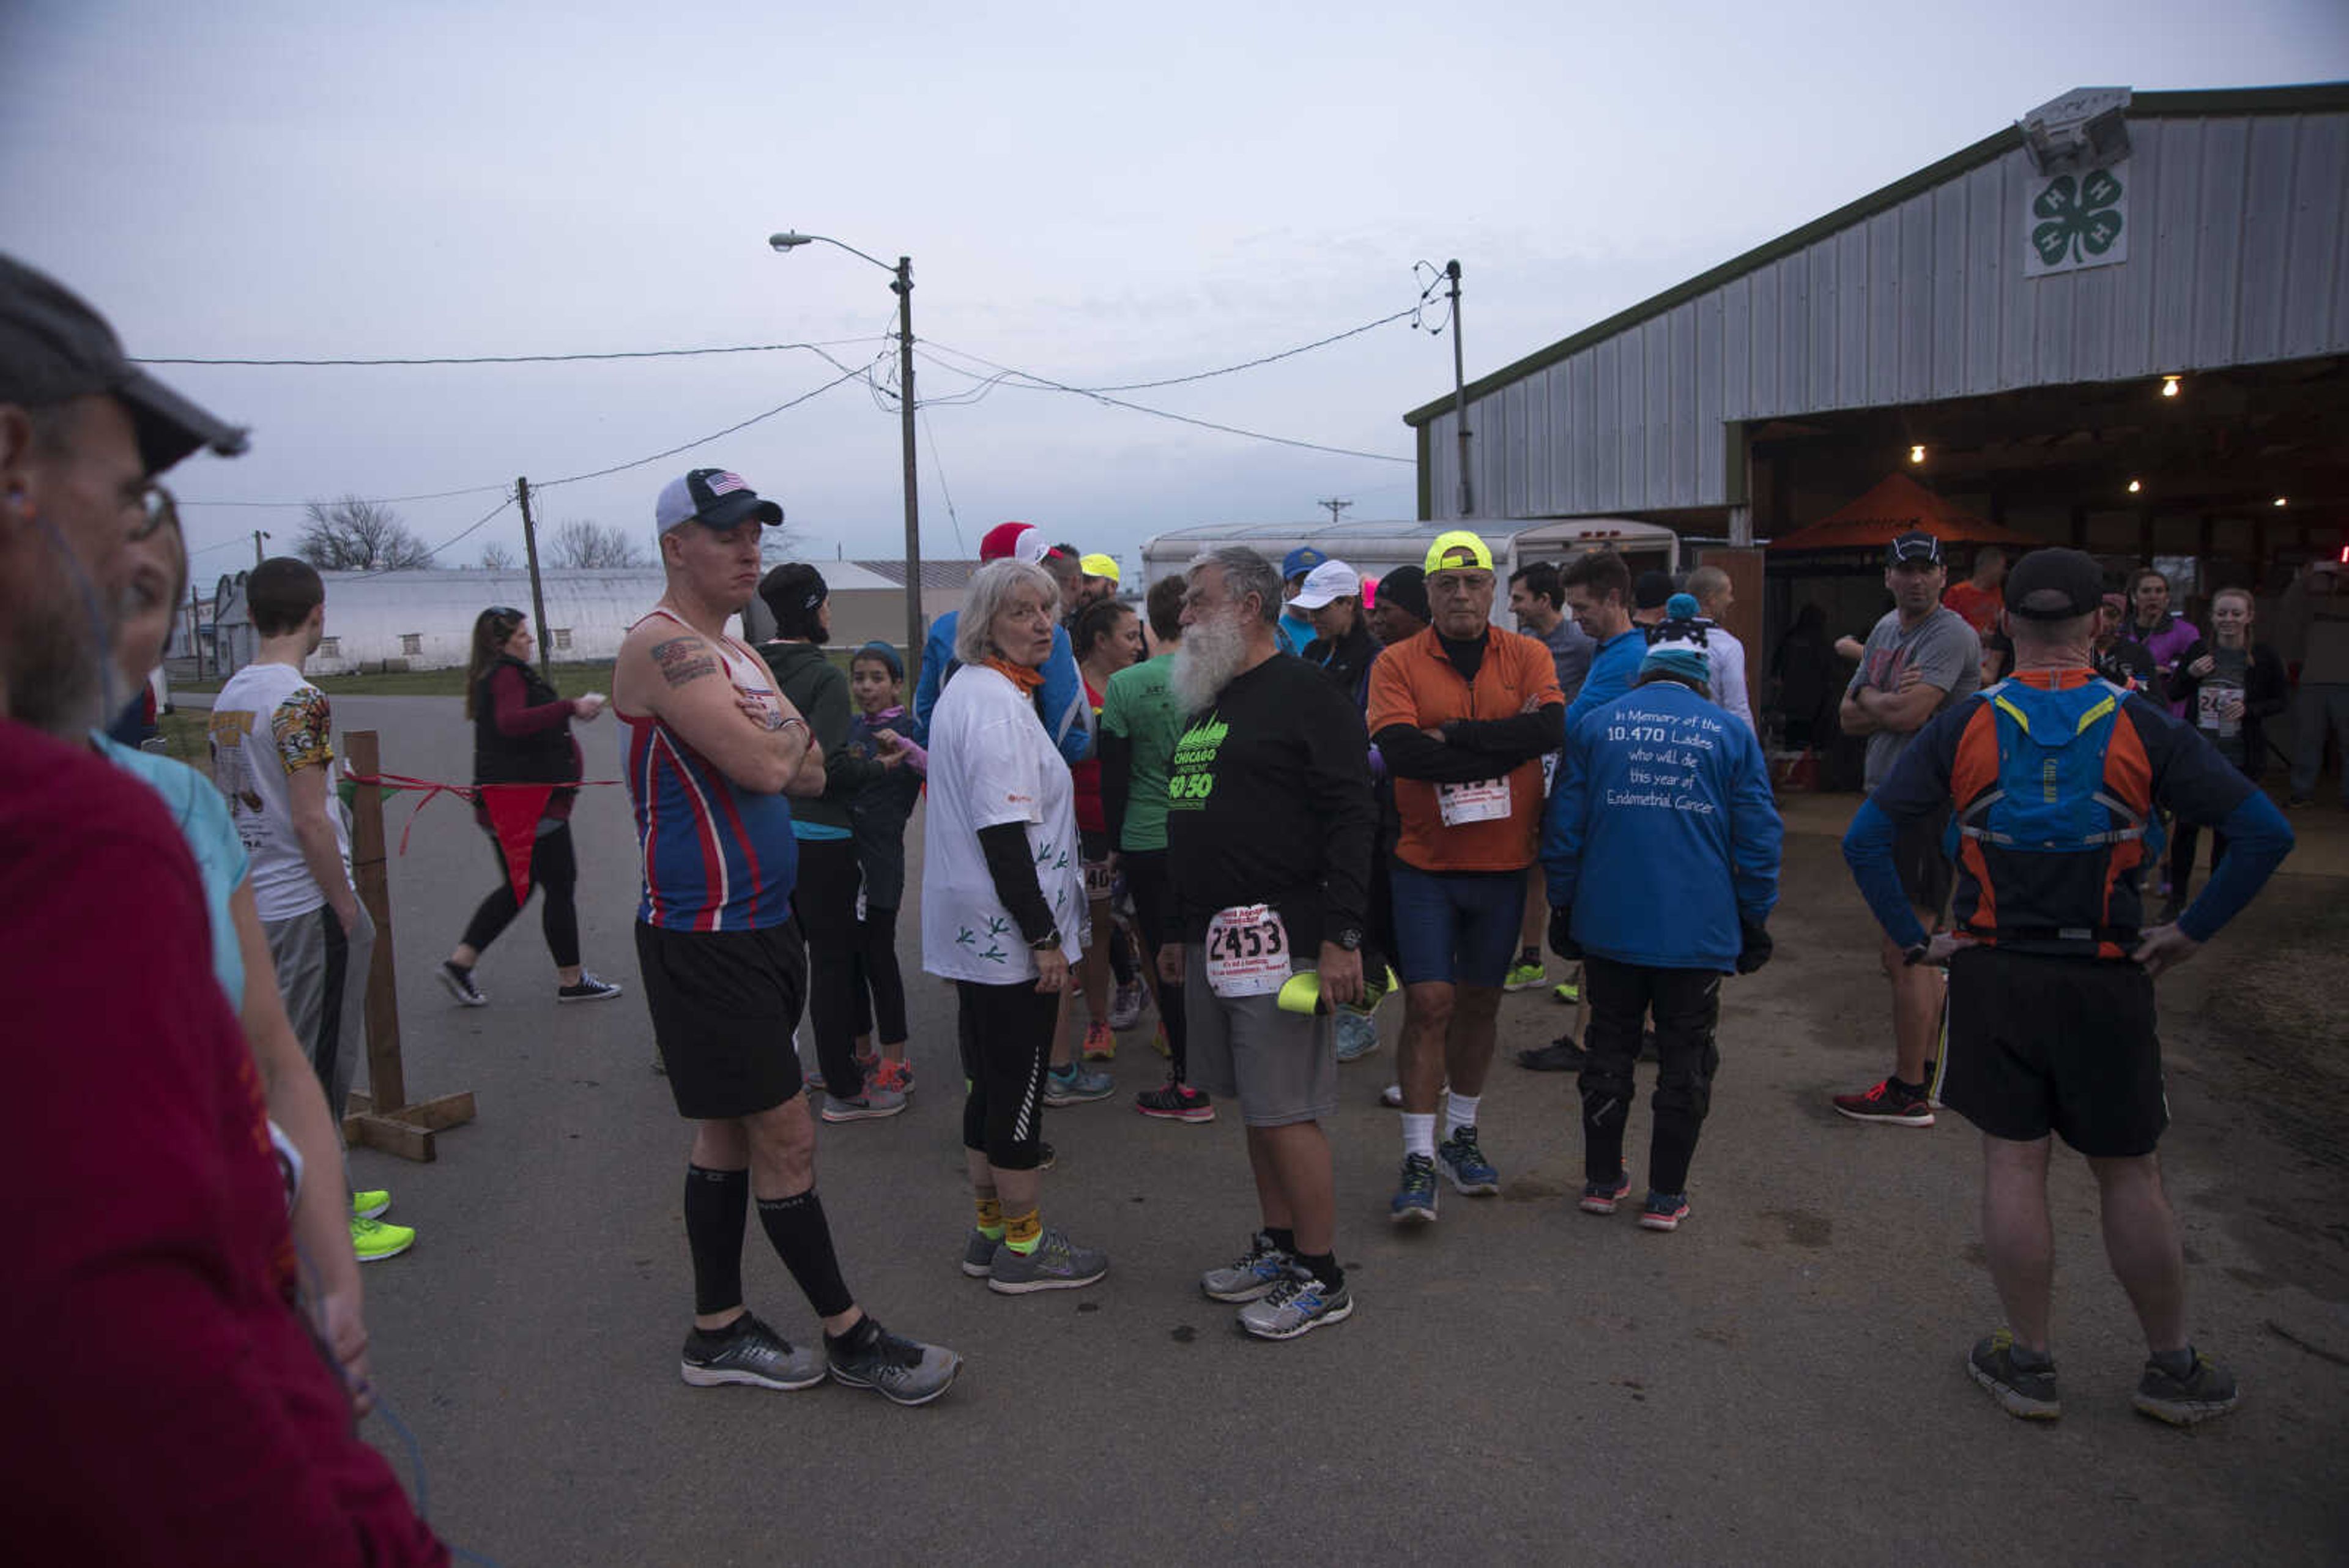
(497, 558)
(580, 544)
(355, 535)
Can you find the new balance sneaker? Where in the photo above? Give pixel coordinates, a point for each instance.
(1524, 977)
(1175, 1103)
(370, 1205)
(1664, 1211)
(748, 1351)
(1101, 1043)
(1250, 1275)
(903, 1371)
(1358, 1034)
(591, 987)
(1126, 1006)
(374, 1240)
(874, 1104)
(458, 981)
(893, 1073)
(1300, 1303)
(1056, 1264)
(1888, 1103)
(978, 1252)
(2209, 1390)
(1464, 1163)
(2027, 1392)
(1600, 1197)
(1074, 1085)
(1414, 1199)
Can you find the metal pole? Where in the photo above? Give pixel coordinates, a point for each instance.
(1459, 392)
(195, 642)
(537, 594)
(257, 537)
(903, 288)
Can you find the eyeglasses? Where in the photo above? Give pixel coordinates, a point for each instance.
(157, 509)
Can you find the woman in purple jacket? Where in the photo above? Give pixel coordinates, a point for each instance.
(2164, 635)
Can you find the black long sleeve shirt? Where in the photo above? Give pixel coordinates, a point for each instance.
(1268, 802)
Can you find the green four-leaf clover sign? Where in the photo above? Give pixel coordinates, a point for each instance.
(2076, 216)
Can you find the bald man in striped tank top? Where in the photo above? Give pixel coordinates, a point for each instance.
(714, 751)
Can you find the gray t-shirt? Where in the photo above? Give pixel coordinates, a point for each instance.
(1942, 646)
(1570, 649)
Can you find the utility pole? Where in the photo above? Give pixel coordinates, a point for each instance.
(903, 289)
(195, 636)
(1335, 507)
(257, 537)
(537, 593)
(1459, 392)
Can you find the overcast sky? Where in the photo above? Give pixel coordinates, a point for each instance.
(1090, 193)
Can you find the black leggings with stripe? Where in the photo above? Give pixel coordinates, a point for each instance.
(1006, 1036)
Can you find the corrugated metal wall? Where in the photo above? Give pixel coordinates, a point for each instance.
(2237, 255)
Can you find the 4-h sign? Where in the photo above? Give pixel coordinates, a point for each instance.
(2075, 219)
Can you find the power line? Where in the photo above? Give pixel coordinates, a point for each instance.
(939, 464)
(521, 359)
(1267, 359)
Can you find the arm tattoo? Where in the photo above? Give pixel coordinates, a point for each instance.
(684, 659)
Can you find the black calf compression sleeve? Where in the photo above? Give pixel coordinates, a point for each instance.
(717, 1202)
(803, 1240)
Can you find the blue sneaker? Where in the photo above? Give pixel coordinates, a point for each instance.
(1295, 1305)
(1079, 1085)
(1600, 1197)
(1251, 1274)
(1358, 1034)
(1665, 1210)
(1465, 1164)
(1414, 1201)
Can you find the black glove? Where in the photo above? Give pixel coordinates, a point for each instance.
(1753, 946)
(1561, 934)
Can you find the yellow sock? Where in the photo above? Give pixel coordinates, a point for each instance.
(1023, 1231)
(991, 1217)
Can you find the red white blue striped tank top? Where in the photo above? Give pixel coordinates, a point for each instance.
(715, 857)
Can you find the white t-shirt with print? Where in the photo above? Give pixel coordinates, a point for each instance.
(991, 763)
(268, 722)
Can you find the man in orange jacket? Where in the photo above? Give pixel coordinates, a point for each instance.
(1463, 713)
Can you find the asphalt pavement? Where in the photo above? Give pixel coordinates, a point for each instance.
(1779, 1381)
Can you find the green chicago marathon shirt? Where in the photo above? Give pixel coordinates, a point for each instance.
(1268, 802)
(1139, 710)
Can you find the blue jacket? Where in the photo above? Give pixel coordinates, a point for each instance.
(1613, 669)
(1662, 834)
(1061, 703)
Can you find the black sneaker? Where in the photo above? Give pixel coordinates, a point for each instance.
(2209, 1390)
(591, 987)
(458, 981)
(1560, 1055)
(903, 1371)
(748, 1351)
(2026, 1392)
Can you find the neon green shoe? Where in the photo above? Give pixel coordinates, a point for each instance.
(374, 1240)
(1524, 977)
(1568, 992)
(370, 1205)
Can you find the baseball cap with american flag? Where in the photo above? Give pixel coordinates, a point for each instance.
(713, 497)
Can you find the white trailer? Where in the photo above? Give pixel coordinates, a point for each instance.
(1375, 548)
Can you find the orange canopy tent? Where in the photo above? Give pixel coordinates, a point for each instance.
(1890, 508)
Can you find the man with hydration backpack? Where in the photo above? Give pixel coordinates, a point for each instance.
(2052, 777)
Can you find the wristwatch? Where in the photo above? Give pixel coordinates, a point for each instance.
(1913, 956)
(1351, 938)
(1049, 942)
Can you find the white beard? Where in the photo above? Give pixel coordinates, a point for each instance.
(1211, 654)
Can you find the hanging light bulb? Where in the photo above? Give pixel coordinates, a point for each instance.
(1916, 454)
(2134, 487)
(2279, 500)
(2169, 386)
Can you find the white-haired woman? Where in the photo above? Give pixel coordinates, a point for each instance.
(1002, 901)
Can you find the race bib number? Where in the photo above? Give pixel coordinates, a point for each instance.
(2210, 703)
(1486, 800)
(1098, 881)
(1248, 952)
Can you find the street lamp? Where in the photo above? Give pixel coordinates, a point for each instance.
(902, 286)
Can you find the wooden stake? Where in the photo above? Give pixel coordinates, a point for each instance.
(385, 1119)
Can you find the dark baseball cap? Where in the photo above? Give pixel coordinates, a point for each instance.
(1406, 588)
(713, 497)
(2054, 584)
(1650, 589)
(1914, 548)
(54, 347)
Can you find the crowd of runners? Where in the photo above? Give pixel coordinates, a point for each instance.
(1274, 797)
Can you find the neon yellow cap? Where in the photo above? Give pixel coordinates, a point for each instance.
(1458, 550)
(1099, 566)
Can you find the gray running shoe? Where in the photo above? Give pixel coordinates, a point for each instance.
(1297, 1304)
(874, 1104)
(2025, 1392)
(1251, 1274)
(1077, 1086)
(2209, 1390)
(748, 1351)
(903, 1371)
(978, 1253)
(1358, 1034)
(1056, 1264)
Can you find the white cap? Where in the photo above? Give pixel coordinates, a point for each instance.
(1329, 582)
(1032, 547)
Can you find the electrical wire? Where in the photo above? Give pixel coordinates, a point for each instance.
(470, 529)
(521, 359)
(937, 464)
(704, 440)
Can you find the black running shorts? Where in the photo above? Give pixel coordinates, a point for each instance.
(723, 1006)
(2039, 1045)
